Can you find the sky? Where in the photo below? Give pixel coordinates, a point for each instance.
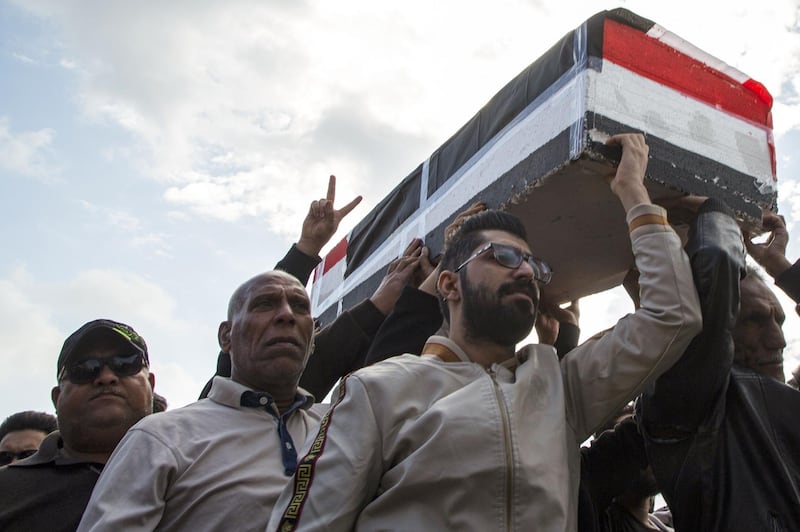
(155, 154)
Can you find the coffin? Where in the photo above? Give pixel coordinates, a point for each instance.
(536, 150)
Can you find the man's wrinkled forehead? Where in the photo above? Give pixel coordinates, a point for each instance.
(275, 281)
(755, 292)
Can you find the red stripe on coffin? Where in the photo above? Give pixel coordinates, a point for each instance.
(336, 254)
(653, 59)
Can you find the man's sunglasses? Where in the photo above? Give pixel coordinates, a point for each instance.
(511, 257)
(88, 370)
(6, 457)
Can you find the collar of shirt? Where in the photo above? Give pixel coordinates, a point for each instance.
(229, 393)
(51, 451)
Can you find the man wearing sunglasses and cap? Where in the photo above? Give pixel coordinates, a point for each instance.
(104, 388)
(473, 435)
(220, 463)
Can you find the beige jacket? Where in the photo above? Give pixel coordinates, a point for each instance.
(420, 443)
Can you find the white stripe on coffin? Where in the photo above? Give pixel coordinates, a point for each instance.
(686, 122)
(540, 122)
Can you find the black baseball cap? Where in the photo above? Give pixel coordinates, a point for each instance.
(90, 330)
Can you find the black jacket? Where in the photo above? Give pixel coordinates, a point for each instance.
(724, 441)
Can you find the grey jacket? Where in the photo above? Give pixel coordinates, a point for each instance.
(440, 443)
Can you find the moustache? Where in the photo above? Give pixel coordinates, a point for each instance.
(522, 286)
(107, 391)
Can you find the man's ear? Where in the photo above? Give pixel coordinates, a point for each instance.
(55, 393)
(449, 286)
(152, 379)
(224, 336)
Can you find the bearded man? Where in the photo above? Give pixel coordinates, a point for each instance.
(471, 435)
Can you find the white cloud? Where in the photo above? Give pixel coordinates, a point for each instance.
(27, 153)
(23, 58)
(244, 106)
(29, 336)
(116, 217)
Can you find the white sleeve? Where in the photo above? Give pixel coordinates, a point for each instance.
(606, 372)
(130, 493)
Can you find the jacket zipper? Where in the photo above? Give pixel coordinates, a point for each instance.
(509, 451)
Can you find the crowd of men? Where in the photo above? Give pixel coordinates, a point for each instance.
(439, 422)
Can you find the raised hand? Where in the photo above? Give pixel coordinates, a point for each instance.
(401, 272)
(450, 230)
(550, 318)
(628, 181)
(771, 254)
(322, 221)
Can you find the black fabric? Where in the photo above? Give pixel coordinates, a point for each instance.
(617, 519)
(721, 438)
(376, 227)
(341, 348)
(612, 462)
(298, 264)
(415, 317)
(608, 466)
(693, 173)
(567, 339)
(42, 494)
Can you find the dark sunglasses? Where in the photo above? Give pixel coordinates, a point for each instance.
(86, 371)
(511, 257)
(6, 457)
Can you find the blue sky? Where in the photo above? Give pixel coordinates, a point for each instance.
(153, 155)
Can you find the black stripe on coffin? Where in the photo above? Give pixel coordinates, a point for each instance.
(595, 30)
(388, 215)
(630, 19)
(694, 173)
(504, 106)
(538, 164)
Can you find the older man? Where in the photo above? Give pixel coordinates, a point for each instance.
(104, 388)
(721, 427)
(471, 435)
(220, 463)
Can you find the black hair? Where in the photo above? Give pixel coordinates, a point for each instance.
(28, 420)
(469, 236)
(159, 403)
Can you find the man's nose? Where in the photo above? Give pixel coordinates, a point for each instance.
(774, 335)
(285, 312)
(106, 376)
(524, 270)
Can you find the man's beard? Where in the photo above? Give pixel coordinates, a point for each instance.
(487, 318)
